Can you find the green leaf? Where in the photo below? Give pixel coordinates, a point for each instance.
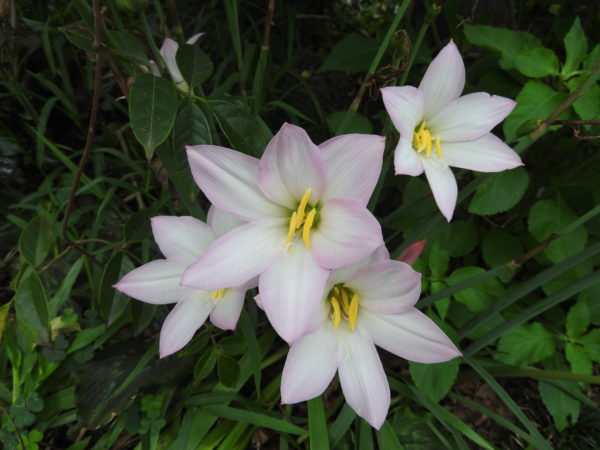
(152, 110)
(112, 302)
(233, 345)
(525, 344)
(317, 424)
(245, 132)
(137, 228)
(439, 259)
(575, 46)
(205, 364)
(479, 297)
(586, 106)
(80, 38)
(353, 53)
(228, 370)
(66, 285)
(461, 238)
(31, 306)
(255, 418)
(550, 216)
(578, 319)
(86, 337)
(194, 64)
(591, 296)
(499, 247)
(434, 380)
(387, 438)
(357, 124)
(537, 62)
(591, 344)
(578, 359)
(128, 44)
(500, 192)
(37, 238)
(536, 101)
(508, 43)
(563, 407)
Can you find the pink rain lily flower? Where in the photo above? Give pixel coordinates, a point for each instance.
(306, 207)
(182, 240)
(440, 129)
(168, 51)
(368, 303)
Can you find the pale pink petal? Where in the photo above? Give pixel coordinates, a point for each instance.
(406, 160)
(443, 81)
(226, 311)
(156, 282)
(310, 365)
(469, 117)
(405, 105)
(386, 286)
(409, 334)
(222, 222)
(230, 180)
(362, 378)
(345, 233)
(168, 51)
(291, 291)
(181, 239)
(353, 165)
(258, 301)
(411, 253)
(182, 322)
(345, 273)
(194, 38)
(486, 154)
(443, 185)
(290, 165)
(236, 257)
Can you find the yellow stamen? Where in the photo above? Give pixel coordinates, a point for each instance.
(345, 302)
(302, 207)
(336, 315)
(438, 147)
(218, 294)
(307, 226)
(292, 228)
(428, 142)
(353, 313)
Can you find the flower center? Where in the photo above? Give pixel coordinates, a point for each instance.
(344, 305)
(422, 141)
(300, 219)
(218, 294)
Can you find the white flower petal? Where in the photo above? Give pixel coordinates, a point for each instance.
(409, 334)
(353, 165)
(443, 81)
(386, 286)
(291, 291)
(182, 322)
(469, 117)
(362, 378)
(194, 38)
(405, 105)
(168, 50)
(156, 282)
(181, 239)
(230, 180)
(486, 154)
(226, 311)
(290, 165)
(222, 222)
(346, 273)
(443, 185)
(406, 160)
(346, 232)
(236, 257)
(310, 365)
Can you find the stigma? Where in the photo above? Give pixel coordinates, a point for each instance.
(344, 306)
(301, 219)
(422, 141)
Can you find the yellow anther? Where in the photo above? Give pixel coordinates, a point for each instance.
(310, 218)
(302, 207)
(438, 147)
(218, 293)
(336, 315)
(345, 302)
(428, 142)
(292, 228)
(353, 311)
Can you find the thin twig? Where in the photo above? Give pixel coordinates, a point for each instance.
(93, 115)
(518, 262)
(268, 21)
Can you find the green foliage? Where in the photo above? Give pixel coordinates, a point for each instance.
(500, 192)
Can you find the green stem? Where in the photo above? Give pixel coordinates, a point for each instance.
(150, 40)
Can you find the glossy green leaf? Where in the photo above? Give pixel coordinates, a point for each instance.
(537, 62)
(575, 46)
(152, 110)
(37, 238)
(31, 305)
(525, 344)
(317, 425)
(480, 296)
(434, 380)
(194, 64)
(500, 192)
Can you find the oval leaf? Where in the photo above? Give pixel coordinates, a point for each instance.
(194, 64)
(31, 305)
